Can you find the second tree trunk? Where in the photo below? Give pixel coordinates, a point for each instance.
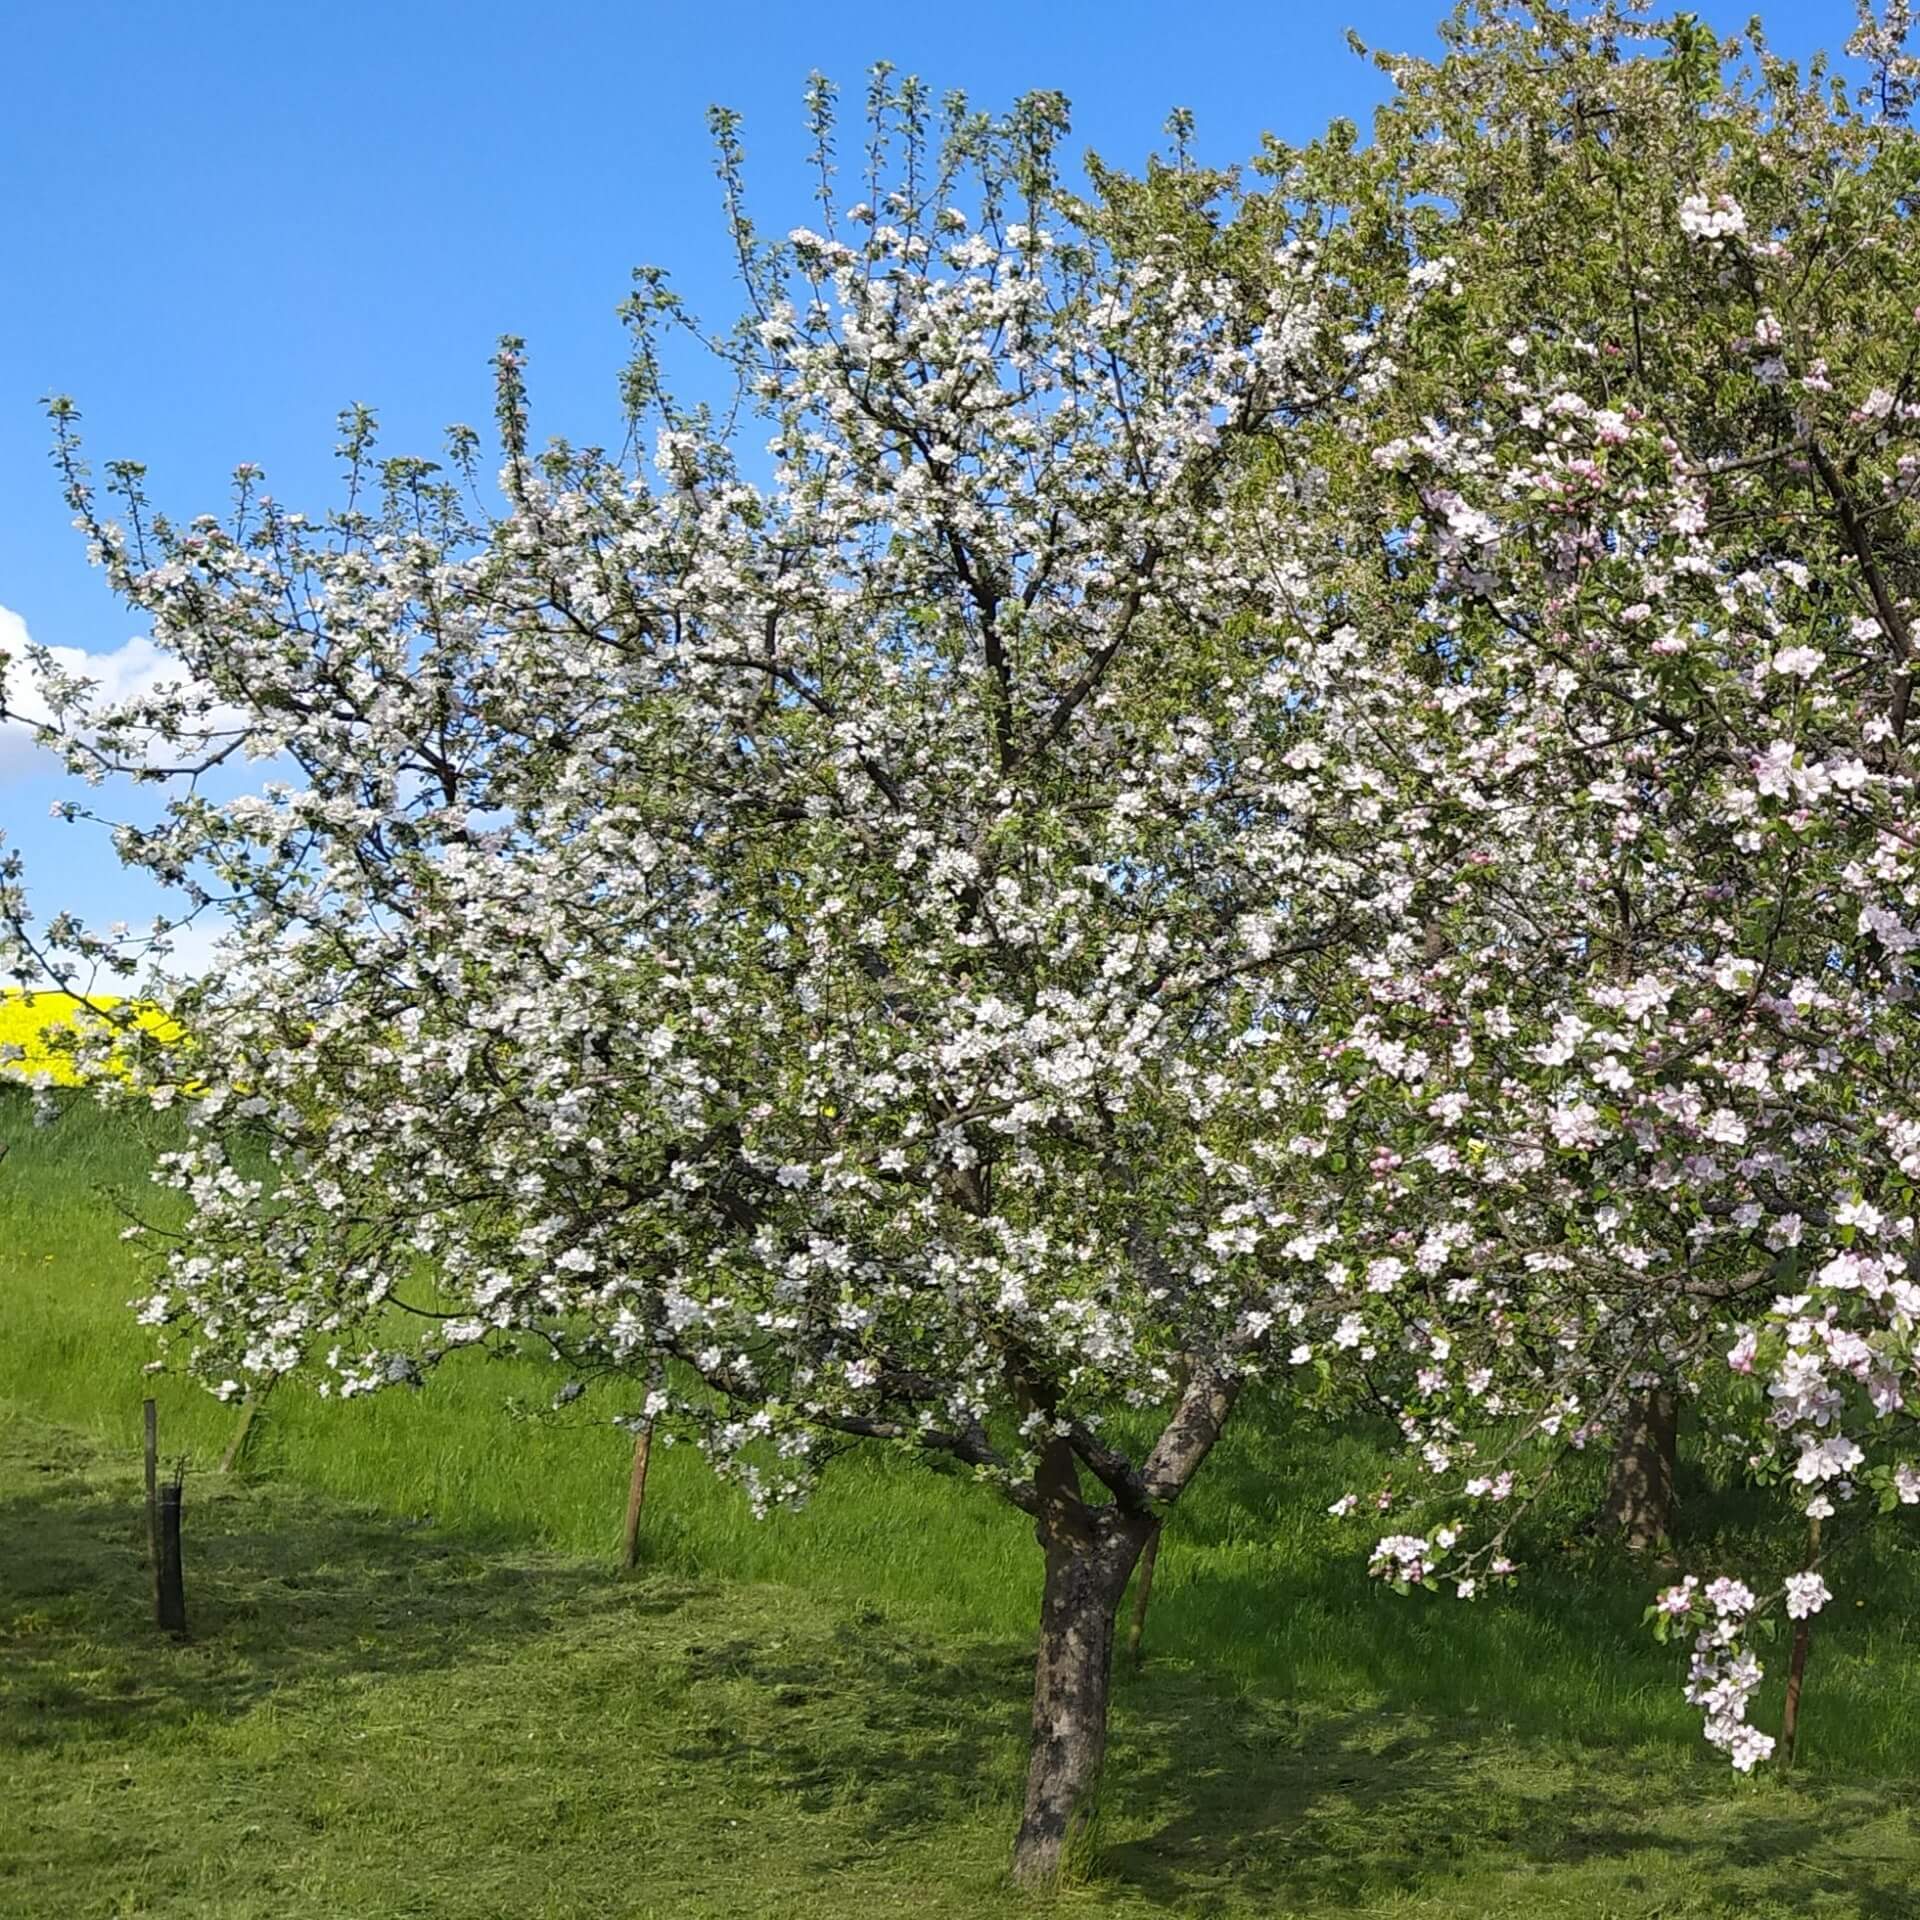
(1639, 1501)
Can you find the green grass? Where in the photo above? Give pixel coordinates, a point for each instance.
(415, 1686)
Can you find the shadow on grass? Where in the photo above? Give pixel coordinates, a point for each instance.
(854, 1731)
(283, 1590)
(293, 1598)
(888, 1732)
(1310, 1813)
(1237, 1804)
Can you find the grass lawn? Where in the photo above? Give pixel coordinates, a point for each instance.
(415, 1686)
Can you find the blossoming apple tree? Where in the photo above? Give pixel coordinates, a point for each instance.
(846, 929)
(1291, 785)
(1639, 1101)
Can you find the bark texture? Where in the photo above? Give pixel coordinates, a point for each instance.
(1639, 1501)
(1072, 1676)
(1091, 1548)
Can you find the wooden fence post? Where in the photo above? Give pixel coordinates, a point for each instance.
(636, 1494)
(151, 1414)
(1797, 1663)
(163, 1533)
(637, 1479)
(1142, 1593)
(249, 1409)
(170, 1599)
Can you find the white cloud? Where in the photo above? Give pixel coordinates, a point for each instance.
(130, 670)
(126, 673)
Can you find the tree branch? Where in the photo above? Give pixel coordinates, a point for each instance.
(1893, 622)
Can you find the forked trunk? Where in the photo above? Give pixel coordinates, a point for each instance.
(1639, 1500)
(1087, 1569)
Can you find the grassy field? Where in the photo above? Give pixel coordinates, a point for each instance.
(416, 1687)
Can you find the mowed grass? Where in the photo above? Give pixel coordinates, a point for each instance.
(417, 1686)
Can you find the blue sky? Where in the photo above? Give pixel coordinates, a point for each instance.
(222, 222)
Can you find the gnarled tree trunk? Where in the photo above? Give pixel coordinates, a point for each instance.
(1639, 1500)
(1091, 1549)
(1087, 1568)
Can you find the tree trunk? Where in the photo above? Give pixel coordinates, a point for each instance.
(1639, 1500)
(1087, 1569)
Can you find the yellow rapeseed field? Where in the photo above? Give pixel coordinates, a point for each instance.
(26, 1019)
